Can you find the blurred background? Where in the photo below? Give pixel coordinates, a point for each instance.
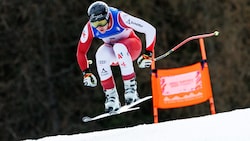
(41, 90)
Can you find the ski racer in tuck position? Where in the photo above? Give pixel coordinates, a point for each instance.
(120, 48)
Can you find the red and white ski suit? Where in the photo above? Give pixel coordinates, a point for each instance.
(121, 46)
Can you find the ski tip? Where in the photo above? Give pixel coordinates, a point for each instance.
(86, 119)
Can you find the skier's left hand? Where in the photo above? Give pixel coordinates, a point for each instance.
(145, 60)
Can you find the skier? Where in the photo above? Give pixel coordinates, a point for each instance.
(120, 48)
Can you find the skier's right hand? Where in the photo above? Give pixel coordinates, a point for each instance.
(89, 79)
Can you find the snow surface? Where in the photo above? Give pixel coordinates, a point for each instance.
(227, 126)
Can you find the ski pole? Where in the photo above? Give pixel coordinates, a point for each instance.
(216, 33)
(90, 62)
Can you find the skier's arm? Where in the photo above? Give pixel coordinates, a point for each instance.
(83, 47)
(141, 26)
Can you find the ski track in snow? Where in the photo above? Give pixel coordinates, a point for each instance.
(227, 126)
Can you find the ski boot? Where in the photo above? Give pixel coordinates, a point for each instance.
(112, 102)
(130, 94)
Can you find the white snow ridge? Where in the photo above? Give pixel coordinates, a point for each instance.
(228, 126)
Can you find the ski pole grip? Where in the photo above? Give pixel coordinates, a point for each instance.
(90, 62)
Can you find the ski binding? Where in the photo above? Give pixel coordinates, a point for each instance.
(123, 109)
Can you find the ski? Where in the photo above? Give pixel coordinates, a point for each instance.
(123, 109)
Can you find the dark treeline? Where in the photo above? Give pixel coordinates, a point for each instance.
(41, 91)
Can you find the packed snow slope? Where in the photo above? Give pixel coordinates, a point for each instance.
(228, 126)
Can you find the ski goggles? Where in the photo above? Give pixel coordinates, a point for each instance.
(99, 23)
